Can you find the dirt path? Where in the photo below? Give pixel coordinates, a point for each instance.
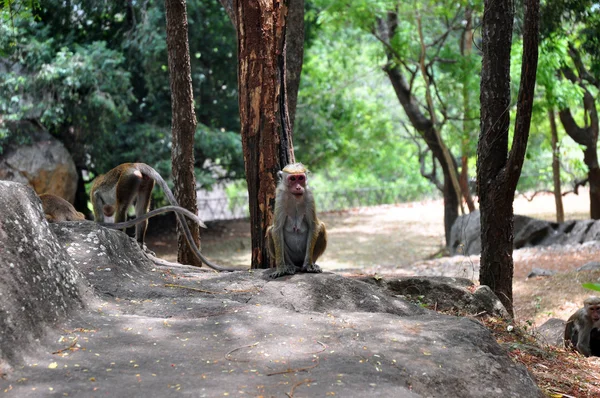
(398, 239)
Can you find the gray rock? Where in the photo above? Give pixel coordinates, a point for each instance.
(38, 284)
(591, 266)
(465, 236)
(45, 164)
(159, 331)
(446, 294)
(540, 272)
(551, 332)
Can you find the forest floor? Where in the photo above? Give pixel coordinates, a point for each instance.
(407, 239)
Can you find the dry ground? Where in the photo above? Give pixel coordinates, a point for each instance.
(402, 239)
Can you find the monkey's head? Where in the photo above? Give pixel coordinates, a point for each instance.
(108, 210)
(592, 306)
(293, 176)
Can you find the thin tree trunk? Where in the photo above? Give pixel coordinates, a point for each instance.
(183, 122)
(560, 212)
(588, 137)
(497, 170)
(265, 122)
(466, 48)
(445, 152)
(386, 30)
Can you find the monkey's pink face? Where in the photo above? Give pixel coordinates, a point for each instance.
(296, 183)
(594, 311)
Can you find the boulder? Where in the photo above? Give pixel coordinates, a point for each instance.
(38, 284)
(152, 330)
(540, 272)
(551, 332)
(465, 235)
(590, 266)
(44, 164)
(448, 294)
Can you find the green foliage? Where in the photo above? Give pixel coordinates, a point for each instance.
(356, 123)
(578, 19)
(212, 41)
(84, 88)
(557, 93)
(220, 153)
(591, 286)
(95, 74)
(346, 127)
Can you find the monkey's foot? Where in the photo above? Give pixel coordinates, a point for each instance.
(146, 250)
(312, 268)
(283, 270)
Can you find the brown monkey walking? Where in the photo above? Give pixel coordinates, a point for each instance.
(297, 238)
(132, 183)
(58, 209)
(579, 326)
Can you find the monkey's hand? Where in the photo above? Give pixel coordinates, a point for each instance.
(583, 349)
(282, 270)
(314, 268)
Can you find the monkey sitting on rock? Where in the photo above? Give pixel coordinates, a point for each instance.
(57, 209)
(582, 330)
(297, 238)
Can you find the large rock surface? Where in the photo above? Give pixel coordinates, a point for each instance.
(465, 236)
(165, 331)
(45, 164)
(38, 283)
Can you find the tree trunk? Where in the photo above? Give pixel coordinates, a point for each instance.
(183, 122)
(464, 182)
(426, 129)
(294, 55)
(497, 170)
(560, 212)
(466, 49)
(264, 109)
(588, 137)
(386, 30)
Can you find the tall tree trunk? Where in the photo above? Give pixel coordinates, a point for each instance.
(294, 49)
(498, 170)
(560, 212)
(466, 49)
(183, 122)
(264, 110)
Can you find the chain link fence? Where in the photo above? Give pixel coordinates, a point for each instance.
(235, 208)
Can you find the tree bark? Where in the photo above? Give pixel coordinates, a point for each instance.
(560, 212)
(264, 109)
(588, 137)
(498, 170)
(183, 122)
(294, 55)
(294, 49)
(466, 49)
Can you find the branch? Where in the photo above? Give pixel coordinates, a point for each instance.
(228, 6)
(526, 93)
(581, 69)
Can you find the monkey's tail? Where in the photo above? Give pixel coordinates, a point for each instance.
(155, 212)
(148, 170)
